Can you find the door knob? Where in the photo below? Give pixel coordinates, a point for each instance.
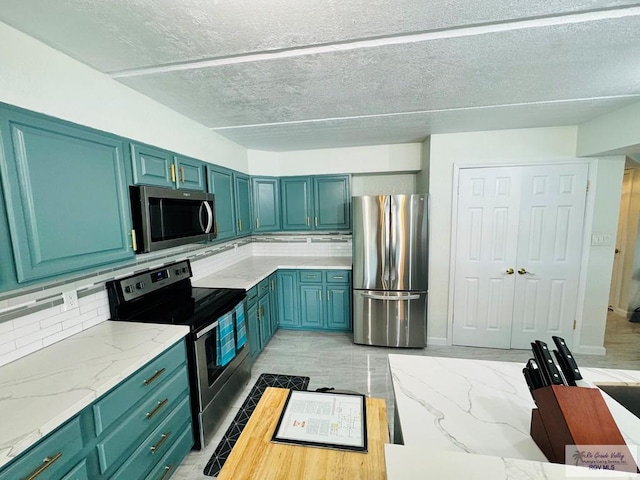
(523, 271)
(509, 271)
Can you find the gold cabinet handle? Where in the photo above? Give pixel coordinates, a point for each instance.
(134, 240)
(257, 224)
(340, 277)
(182, 174)
(167, 471)
(522, 271)
(308, 221)
(319, 295)
(327, 295)
(154, 377)
(509, 271)
(316, 221)
(163, 438)
(173, 173)
(240, 225)
(158, 407)
(46, 463)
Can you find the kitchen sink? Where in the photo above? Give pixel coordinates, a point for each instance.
(626, 394)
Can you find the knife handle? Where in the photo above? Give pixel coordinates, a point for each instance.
(527, 378)
(565, 371)
(546, 363)
(535, 374)
(569, 360)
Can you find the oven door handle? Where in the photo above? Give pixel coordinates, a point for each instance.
(207, 329)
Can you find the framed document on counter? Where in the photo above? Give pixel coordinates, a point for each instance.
(323, 419)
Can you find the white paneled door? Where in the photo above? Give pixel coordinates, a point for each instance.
(518, 250)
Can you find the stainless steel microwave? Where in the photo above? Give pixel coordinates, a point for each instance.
(164, 218)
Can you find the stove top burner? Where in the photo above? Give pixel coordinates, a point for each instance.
(169, 300)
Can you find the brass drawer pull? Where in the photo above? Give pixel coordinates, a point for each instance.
(338, 276)
(173, 173)
(163, 438)
(155, 376)
(46, 463)
(167, 472)
(159, 406)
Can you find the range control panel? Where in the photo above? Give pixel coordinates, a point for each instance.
(143, 283)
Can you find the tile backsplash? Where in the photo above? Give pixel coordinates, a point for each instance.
(38, 318)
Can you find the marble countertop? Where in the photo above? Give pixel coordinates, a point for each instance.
(41, 391)
(246, 273)
(480, 407)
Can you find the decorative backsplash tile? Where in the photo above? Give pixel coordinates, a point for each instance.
(33, 318)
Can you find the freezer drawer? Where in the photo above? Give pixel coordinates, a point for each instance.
(391, 319)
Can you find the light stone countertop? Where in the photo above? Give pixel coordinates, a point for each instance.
(478, 412)
(246, 273)
(41, 391)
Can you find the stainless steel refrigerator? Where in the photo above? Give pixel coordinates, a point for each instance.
(390, 252)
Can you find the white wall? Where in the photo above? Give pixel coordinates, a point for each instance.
(519, 146)
(37, 77)
(617, 133)
(403, 157)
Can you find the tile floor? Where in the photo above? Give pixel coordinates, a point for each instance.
(332, 360)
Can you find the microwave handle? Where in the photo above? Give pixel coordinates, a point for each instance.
(210, 217)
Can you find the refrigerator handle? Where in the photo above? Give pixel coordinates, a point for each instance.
(393, 298)
(386, 240)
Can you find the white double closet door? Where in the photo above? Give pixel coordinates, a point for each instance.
(519, 234)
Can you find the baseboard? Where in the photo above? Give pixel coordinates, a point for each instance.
(437, 341)
(619, 311)
(588, 350)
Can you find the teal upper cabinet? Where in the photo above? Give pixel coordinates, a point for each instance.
(331, 200)
(221, 185)
(295, 194)
(266, 204)
(190, 173)
(152, 166)
(316, 203)
(243, 204)
(66, 195)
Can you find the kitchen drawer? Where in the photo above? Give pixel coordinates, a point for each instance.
(165, 468)
(79, 472)
(144, 419)
(310, 276)
(137, 387)
(54, 456)
(252, 295)
(337, 276)
(263, 286)
(156, 445)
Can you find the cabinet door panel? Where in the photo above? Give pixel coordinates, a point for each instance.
(332, 197)
(190, 174)
(311, 306)
(295, 201)
(264, 319)
(66, 195)
(253, 331)
(288, 315)
(266, 204)
(243, 204)
(221, 185)
(152, 166)
(339, 307)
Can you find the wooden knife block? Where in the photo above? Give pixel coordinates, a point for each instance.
(572, 416)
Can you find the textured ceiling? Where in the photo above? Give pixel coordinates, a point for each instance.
(286, 75)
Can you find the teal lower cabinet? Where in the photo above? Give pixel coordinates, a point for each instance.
(287, 295)
(314, 299)
(141, 429)
(261, 304)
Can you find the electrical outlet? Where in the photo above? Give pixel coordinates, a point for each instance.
(70, 300)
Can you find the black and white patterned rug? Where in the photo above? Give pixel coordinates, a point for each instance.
(215, 463)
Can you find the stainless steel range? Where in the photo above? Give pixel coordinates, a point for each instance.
(217, 346)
